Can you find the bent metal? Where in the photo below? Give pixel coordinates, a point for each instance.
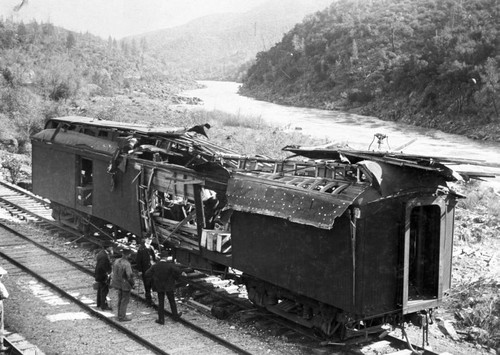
(335, 239)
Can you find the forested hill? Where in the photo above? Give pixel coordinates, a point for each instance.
(215, 46)
(429, 62)
(46, 71)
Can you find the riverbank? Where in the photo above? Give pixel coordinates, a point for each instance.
(394, 110)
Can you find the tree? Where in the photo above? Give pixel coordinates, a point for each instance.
(70, 40)
(22, 32)
(144, 44)
(491, 84)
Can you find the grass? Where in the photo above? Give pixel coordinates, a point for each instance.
(474, 298)
(479, 197)
(476, 305)
(243, 134)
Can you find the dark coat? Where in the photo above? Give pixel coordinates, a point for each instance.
(145, 257)
(103, 266)
(164, 274)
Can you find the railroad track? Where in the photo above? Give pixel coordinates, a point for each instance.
(72, 282)
(206, 293)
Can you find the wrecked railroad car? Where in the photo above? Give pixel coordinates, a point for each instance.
(332, 239)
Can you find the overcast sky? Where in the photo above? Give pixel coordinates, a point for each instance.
(119, 18)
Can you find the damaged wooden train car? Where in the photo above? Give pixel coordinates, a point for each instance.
(333, 239)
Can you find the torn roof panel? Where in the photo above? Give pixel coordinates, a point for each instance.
(77, 140)
(138, 128)
(430, 163)
(299, 205)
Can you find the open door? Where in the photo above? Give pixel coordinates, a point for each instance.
(424, 243)
(84, 188)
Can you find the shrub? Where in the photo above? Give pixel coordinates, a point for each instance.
(13, 166)
(60, 92)
(477, 307)
(479, 195)
(360, 96)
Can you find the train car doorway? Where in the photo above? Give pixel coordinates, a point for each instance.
(84, 189)
(424, 235)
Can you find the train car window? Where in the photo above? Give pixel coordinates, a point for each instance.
(103, 133)
(86, 172)
(51, 124)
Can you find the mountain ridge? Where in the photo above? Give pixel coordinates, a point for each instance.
(215, 46)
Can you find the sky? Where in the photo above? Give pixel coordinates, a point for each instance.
(119, 18)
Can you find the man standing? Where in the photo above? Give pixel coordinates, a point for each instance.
(102, 274)
(164, 274)
(122, 280)
(145, 258)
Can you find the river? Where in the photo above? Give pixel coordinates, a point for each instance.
(356, 130)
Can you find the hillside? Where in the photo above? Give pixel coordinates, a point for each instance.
(215, 46)
(424, 62)
(46, 71)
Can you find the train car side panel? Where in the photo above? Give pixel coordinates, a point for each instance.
(54, 173)
(312, 262)
(115, 200)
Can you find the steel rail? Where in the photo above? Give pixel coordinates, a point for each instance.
(43, 219)
(25, 192)
(75, 300)
(202, 331)
(153, 347)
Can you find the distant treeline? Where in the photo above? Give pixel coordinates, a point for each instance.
(430, 62)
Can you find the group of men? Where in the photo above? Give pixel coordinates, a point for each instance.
(159, 273)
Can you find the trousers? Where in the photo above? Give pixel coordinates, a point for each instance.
(161, 305)
(102, 293)
(147, 287)
(123, 300)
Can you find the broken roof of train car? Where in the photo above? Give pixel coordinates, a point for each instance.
(132, 127)
(303, 205)
(76, 140)
(430, 163)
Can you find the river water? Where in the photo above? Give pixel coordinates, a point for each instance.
(355, 130)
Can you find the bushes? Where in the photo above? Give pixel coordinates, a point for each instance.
(60, 92)
(359, 96)
(12, 165)
(477, 307)
(23, 111)
(477, 196)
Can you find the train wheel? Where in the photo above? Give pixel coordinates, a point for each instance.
(260, 296)
(56, 212)
(82, 224)
(329, 327)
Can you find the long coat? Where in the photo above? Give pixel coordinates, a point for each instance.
(122, 277)
(103, 266)
(145, 257)
(164, 274)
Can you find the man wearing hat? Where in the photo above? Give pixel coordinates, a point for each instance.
(164, 274)
(122, 280)
(102, 274)
(145, 258)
